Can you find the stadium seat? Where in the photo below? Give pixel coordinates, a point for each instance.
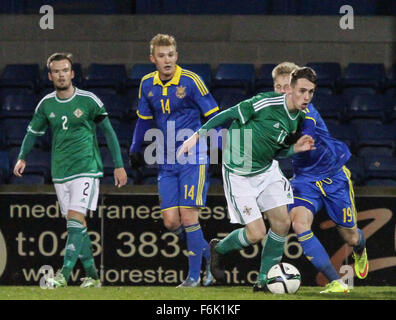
(106, 75)
(235, 75)
(350, 93)
(367, 106)
(15, 130)
(364, 75)
(18, 105)
(39, 162)
(4, 163)
(380, 167)
(328, 74)
(100, 135)
(137, 72)
(227, 93)
(375, 135)
(356, 166)
(231, 99)
(380, 182)
(115, 105)
(77, 81)
(391, 77)
(264, 81)
(28, 179)
(201, 69)
(124, 131)
(332, 7)
(330, 106)
(20, 76)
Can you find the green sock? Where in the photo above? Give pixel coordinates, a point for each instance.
(272, 253)
(87, 259)
(236, 240)
(75, 233)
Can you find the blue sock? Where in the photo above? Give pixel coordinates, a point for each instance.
(361, 243)
(205, 250)
(316, 253)
(195, 241)
(181, 233)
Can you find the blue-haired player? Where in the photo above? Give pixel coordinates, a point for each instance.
(175, 99)
(321, 180)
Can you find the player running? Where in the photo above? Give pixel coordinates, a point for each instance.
(175, 99)
(321, 179)
(76, 165)
(262, 128)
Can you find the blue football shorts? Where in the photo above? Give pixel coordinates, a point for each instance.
(183, 186)
(335, 194)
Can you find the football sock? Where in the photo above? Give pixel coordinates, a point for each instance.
(316, 253)
(195, 240)
(180, 232)
(236, 240)
(358, 249)
(87, 258)
(272, 253)
(75, 234)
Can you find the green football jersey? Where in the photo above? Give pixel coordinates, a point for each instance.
(258, 133)
(75, 151)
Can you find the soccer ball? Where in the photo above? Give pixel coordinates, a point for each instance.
(283, 278)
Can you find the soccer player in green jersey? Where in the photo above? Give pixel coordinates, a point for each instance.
(76, 165)
(262, 129)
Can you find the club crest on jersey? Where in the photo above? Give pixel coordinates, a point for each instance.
(78, 113)
(180, 92)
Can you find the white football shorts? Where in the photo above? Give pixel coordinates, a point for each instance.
(250, 196)
(79, 195)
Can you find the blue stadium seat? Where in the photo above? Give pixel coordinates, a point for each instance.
(4, 164)
(100, 135)
(18, 105)
(28, 179)
(356, 166)
(264, 81)
(106, 75)
(15, 130)
(39, 162)
(124, 131)
(201, 69)
(332, 7)
(328, 74)
(378, 138)
(132, 100)
(391, 77)
(350, 93)
(367, 106)
(231, 99)
(20, 76)
(235, 75)
(330, 106)
(77, 81)
(226, 93)
(380, 167)
(137, 72)
(364, 75)
(381, 182)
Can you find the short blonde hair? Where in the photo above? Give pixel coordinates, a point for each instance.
(162, 40)
(58, 56)
(283, 68)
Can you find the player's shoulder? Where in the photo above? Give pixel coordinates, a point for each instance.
(90, 96)
(267, 99)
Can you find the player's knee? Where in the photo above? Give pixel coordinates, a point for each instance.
(352, 239)
(171, 224)
(255, 235)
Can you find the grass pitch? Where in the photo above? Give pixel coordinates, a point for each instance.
(200, 293)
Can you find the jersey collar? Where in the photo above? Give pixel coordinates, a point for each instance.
(68, 99)
(175, 79)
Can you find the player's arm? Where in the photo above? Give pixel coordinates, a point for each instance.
(233, 113)
(37, 127)
(104, 124)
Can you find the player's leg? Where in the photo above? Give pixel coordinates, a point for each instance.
(168, 188)
(342, 210)
(307, 201)
(193, 183)
(273, 201)
(242, 209)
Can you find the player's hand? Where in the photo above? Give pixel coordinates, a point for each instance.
(136, 160)
(305, 143)
(120, 177)
(188, 145)
(19, 168)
